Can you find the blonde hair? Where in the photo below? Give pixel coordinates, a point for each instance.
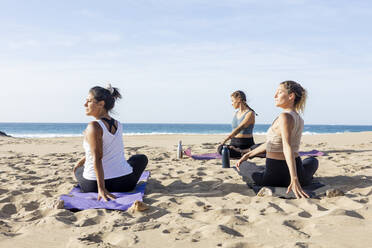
(300, 94)
(241, 95)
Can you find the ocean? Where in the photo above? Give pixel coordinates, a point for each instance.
(43, 130)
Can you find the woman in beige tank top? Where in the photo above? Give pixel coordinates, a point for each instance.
(284, 167)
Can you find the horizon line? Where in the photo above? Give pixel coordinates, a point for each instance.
(175, 123)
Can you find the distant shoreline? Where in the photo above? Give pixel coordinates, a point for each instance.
(170, 135)
(46, 130)
(175, 123)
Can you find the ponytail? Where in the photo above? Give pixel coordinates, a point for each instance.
(241, 95)
(300, 94)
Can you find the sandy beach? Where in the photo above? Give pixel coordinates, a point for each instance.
(191, 203)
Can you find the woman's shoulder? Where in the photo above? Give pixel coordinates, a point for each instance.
(249, 114)
(285, 115)
(93, 127)
(286, 118)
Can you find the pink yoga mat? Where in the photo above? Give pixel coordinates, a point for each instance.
(207, 156)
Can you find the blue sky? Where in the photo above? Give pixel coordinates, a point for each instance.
(178, 61)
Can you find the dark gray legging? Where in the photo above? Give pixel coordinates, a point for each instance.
(276, 172)
(119, 184)
(241, 143)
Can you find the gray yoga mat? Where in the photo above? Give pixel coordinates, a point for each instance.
(314, 190)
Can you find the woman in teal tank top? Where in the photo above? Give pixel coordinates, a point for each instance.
(242, 126)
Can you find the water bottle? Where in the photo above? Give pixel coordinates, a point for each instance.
(225, 157)
(179, 150)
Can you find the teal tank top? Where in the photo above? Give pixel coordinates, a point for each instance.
(236, 122)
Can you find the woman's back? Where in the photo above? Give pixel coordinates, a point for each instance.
(113, 157)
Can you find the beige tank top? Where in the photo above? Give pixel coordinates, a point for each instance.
(274, 141)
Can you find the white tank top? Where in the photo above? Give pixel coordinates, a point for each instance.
(113, 160)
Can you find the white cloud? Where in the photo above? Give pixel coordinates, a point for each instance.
(89, 13)
(104, 37)
(24, 44)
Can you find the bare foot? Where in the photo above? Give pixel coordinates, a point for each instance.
(138, 206)
(264, 192)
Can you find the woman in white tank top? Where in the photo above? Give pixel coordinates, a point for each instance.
(104, 168)
(284, 167)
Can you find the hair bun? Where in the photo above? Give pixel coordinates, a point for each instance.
(109, 88)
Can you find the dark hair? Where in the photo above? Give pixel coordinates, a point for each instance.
(241, 95)
(102, 94)
(300, 94)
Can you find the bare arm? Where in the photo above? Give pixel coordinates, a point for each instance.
(258, 150)
(286, 123)
(94, 138)
(79, 163)
(248, 120)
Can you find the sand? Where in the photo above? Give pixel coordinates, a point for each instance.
(191, 203)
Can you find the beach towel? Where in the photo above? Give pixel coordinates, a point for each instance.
(315, 189)
(208, 156)
(76, 200)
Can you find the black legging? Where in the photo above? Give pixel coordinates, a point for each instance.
(276, 172)
(118, 184)
(241, 143)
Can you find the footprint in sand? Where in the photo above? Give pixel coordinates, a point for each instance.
(47, 193)
(199, 203)
(145, 226)
(8, 210)
(186, 215)
(88, 222)
(66, 217)
(183, 230)
(119, 240)
(236, 245)
(200, 173)
(4, 227)
(229, 231)
(6, 199)
(30, 172)
(3, 191)
(167, 231)
(90, 239)
(32, 216)
(31, 206)
(301, 245)
(16, 192)
(296, 226)
(304, 214)
(349, 213)
(196, 237)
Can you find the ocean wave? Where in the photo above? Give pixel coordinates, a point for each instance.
(259, 133)
(169, 133)
(45, 135)
(309, 133)
(64, 135)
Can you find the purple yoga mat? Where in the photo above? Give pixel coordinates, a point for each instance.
(207, 156)
(314, 153)
(124, 200)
